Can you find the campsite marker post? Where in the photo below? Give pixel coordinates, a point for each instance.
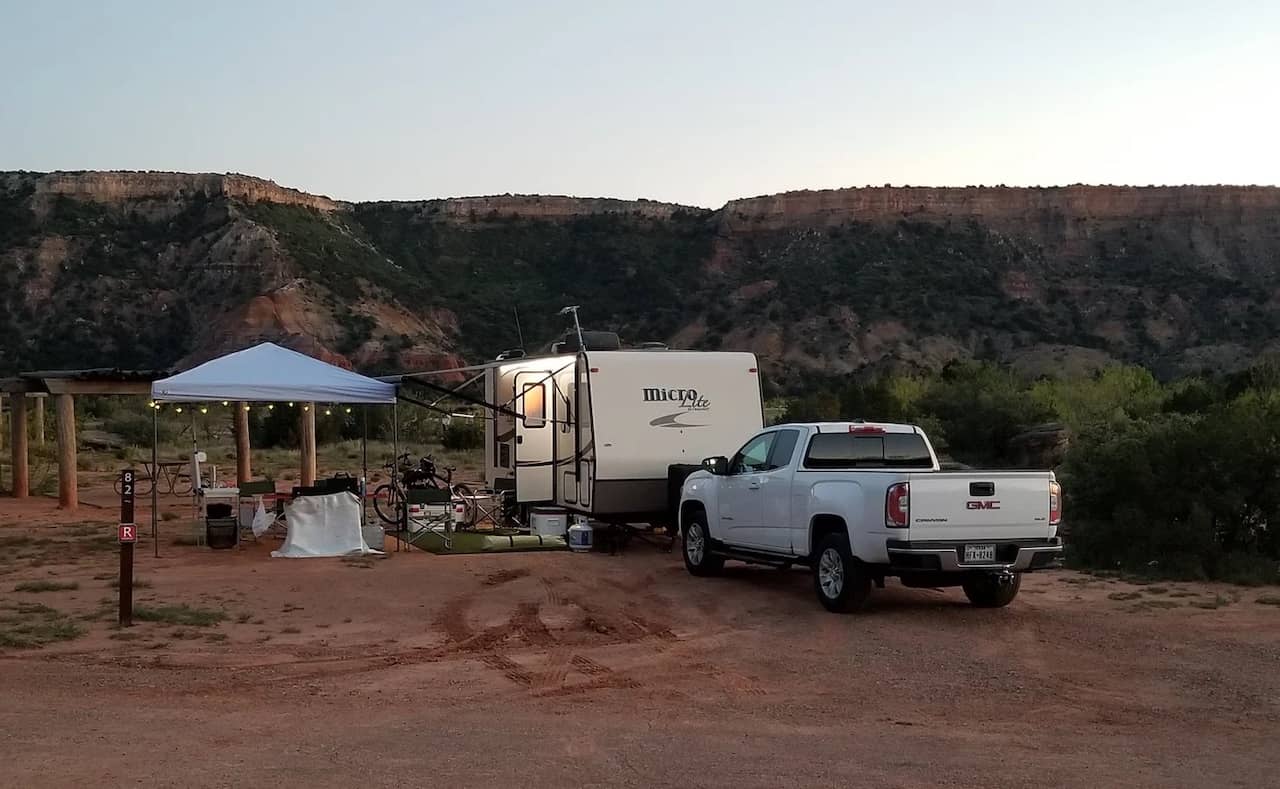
(128, 535)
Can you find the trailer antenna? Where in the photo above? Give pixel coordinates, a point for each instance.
(573, 310)
(519, 331)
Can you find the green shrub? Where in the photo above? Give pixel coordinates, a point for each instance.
(136, 429)
(460, 434)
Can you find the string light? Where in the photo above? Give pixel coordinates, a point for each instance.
(291, 405)
(348, 409)
(225, 403)
(246, 408)
(306, 408)
(204, 409)
(327, 412)
(178, 409)
(151, 404)
(271, 406)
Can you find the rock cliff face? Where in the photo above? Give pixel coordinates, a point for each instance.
(1020, 208)
(119, 187)
(549, 207)
(158, 269)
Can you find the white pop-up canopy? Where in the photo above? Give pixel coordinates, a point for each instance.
(269, 373)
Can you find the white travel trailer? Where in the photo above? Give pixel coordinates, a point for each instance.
(596, 432)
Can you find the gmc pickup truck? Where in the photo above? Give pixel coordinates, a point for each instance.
(859, 502)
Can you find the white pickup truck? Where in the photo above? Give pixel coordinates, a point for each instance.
(862, 501)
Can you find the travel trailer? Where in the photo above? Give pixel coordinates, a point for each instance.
(597, 431)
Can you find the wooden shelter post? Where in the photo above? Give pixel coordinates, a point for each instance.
(18, 444)
(39, 419)
(68, 477)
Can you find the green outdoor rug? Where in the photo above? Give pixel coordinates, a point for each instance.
(476, 542)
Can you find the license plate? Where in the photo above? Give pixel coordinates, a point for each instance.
(979, 553)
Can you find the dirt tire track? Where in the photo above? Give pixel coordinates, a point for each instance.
(556, 668)
(509, 668)
(552, 594)
(531, 627)
(505, 576)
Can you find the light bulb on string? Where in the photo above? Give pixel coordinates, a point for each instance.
(225, 403)
(306, 408)
(178, 409)
(327, 412)
(348, 409)
(204, 409)
(271, 406)
(291, 405)
(246, 408)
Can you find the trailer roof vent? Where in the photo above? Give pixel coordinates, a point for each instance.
(594, 340)
(511, 353)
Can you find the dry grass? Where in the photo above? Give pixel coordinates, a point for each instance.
(1218, 601)
(179, 615)
(46, 586)
(28, 625)
(1124, 596)
(138, 583)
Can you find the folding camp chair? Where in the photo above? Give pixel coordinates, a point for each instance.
(437, 516)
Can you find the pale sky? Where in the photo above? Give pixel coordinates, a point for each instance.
(692, 102)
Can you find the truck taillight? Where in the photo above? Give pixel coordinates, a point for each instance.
(1055, 504)
(897, 506)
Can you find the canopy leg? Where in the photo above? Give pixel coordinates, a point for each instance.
(308, 435)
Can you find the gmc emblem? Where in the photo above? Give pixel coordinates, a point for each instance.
(982, 505)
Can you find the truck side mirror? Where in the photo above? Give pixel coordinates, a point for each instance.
(718, 465)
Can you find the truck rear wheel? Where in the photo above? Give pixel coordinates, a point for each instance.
(696, 547)
(990, 591)
(841, 582)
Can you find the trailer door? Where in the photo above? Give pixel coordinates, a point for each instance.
(535, 437)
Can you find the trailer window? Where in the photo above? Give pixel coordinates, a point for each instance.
(848, 450)
(534, 405)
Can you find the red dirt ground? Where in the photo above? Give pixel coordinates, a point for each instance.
(591, 670)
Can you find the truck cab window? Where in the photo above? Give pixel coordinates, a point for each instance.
(754, 456)
(783, 448)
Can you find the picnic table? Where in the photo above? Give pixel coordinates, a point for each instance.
(174, 476)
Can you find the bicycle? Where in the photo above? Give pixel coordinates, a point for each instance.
(389, 498)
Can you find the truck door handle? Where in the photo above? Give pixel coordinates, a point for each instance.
(753, 485)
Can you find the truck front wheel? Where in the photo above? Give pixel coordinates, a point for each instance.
(696, 547)
(990, 590)
(841, 582)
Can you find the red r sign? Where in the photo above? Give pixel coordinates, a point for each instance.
(128, 533)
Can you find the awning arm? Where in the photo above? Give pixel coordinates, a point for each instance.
(447, 392)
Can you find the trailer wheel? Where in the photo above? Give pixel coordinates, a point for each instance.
(696, 548)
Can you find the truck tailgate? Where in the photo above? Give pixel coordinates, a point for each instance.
(1001, 505)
